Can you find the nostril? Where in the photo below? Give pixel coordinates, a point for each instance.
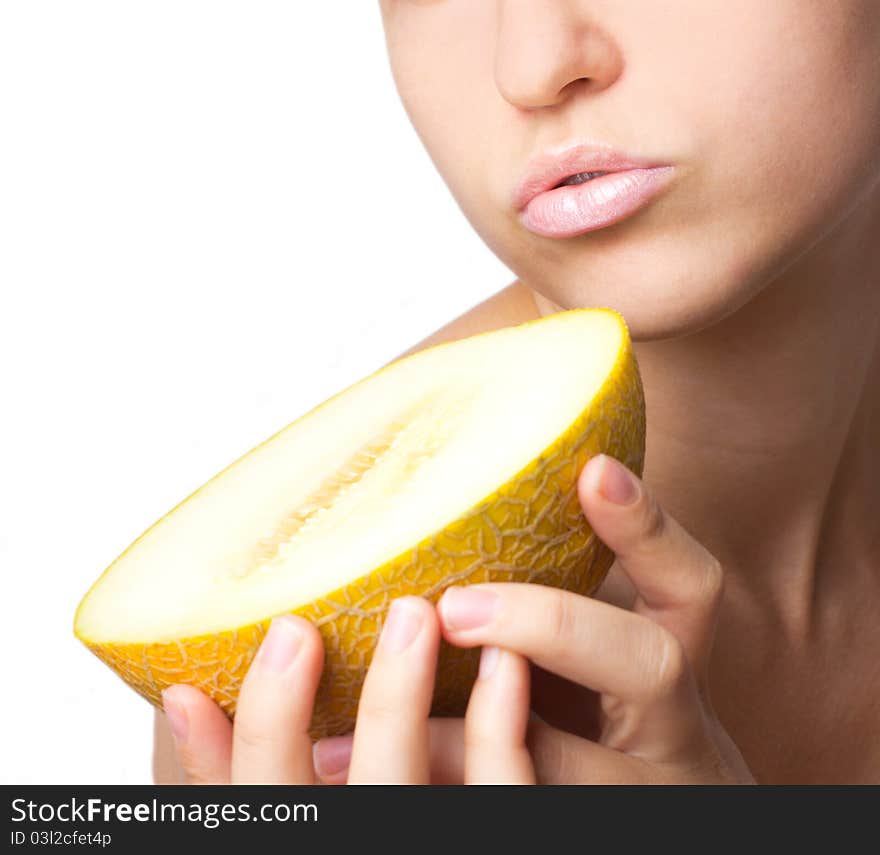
(577, 83)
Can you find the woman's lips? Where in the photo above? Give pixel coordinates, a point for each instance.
(573, 209)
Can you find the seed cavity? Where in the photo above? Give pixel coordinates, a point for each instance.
(401, 447)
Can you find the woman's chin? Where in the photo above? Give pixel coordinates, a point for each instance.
(653, 309)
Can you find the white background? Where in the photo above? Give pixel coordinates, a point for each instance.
(213, 216)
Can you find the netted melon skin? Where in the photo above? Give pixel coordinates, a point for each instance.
(530, 530)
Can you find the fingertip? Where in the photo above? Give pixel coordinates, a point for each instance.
(305, 626)
(312, 641)
(430, 616)
(408, 618)
(512, 670)
(442, 617)
(488, 660)
(425, 608)
(191, 702)
(331, 757)
(588, 481)
(466, 611)
(450, 636)
(290, 639)
(607, 479)
(183, 695)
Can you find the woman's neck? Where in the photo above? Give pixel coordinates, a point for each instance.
(764, 429)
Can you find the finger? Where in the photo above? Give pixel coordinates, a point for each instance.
(623, 655)
(271, 742)
(202, 734)
(592, 643)
(445, 735)
(331, 757)
(563, 758)
(391, 742)
(679, 582)
(496, 720)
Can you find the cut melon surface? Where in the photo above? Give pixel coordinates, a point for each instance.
(456, 464)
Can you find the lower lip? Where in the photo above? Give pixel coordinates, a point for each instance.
(577, 208)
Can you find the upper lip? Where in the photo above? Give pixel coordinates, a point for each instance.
(545, 170)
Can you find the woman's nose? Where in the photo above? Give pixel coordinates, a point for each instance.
(547, 49)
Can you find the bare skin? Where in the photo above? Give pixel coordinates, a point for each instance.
(752, 292)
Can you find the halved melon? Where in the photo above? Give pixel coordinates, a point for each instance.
(456, 464)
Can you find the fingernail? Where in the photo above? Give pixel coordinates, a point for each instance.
(616, 483)
(281, 644)
(468, 607)
(401, 626)
(488, 661)
(176, 716)
(332, 755)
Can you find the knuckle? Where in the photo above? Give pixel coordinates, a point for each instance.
(380, 708)
(196, 769)
(654, 520)
(254, 739)
(712, 577)
(561, 618)
(197, 776)
(669, 669)
(613, 707)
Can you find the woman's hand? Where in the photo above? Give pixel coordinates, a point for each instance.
(647, 667)
(269, 740)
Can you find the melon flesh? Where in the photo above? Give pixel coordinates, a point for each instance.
(339, 495)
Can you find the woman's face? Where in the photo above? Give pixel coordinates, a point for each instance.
(768, 113)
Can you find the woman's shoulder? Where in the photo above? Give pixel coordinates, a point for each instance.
(510, 306)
